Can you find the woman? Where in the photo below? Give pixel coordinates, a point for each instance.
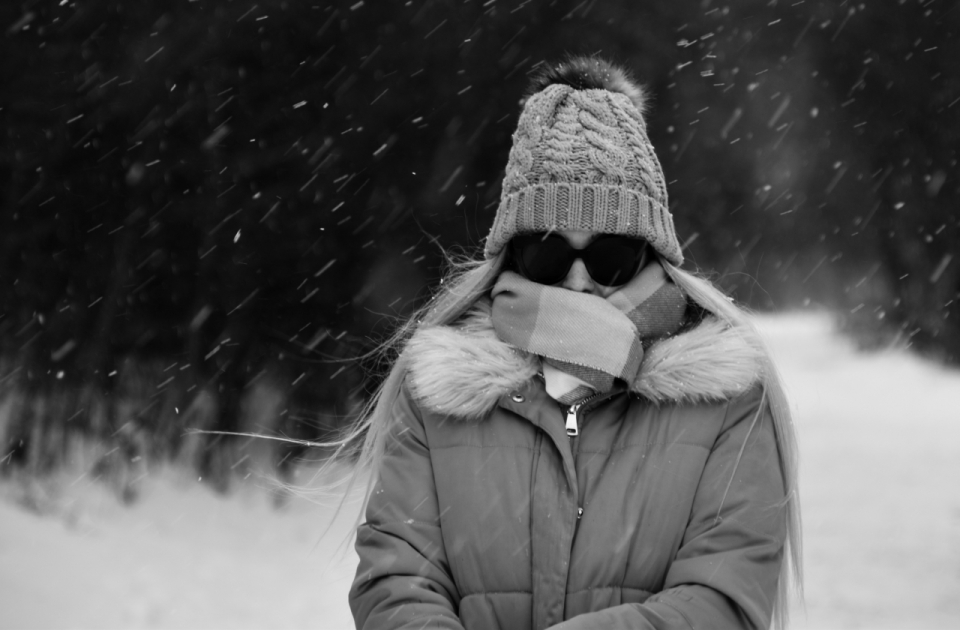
(576, 433)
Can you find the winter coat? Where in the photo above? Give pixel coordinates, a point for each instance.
(665, 511)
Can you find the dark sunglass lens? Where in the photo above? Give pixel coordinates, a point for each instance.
(543, 259)
(614, 261)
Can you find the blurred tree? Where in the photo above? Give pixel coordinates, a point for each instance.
(900, 97)
(204, 183)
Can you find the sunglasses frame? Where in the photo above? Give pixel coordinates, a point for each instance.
(586, 254)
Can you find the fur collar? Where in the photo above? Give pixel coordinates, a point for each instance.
(463, 370)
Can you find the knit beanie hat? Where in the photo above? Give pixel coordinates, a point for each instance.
(581, 160)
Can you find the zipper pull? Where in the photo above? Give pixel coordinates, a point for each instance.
(571, 424)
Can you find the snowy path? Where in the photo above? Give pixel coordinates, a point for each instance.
(182, 557)
(880, 449)
(880, 440)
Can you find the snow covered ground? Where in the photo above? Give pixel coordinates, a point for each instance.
(880, 463)
(880, 442)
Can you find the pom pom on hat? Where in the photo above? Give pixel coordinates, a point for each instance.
(591, 73)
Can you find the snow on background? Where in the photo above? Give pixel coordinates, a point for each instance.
(880, 446)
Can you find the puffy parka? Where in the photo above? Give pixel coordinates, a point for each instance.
(665, 510)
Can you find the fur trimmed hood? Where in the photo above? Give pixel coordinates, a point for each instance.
(463, 370)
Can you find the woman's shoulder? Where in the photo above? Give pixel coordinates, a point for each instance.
(710, 362)
(463, 370)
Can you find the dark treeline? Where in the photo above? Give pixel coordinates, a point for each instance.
(197, 195)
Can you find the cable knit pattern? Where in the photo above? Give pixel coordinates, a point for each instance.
(581, 160)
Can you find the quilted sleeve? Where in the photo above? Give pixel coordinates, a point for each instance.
(403, 579)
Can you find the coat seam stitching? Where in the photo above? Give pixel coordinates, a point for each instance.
(646, 445)
(519, 446)
(396, 521)
(611, 587)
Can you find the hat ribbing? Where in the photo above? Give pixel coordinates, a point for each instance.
(581, 160)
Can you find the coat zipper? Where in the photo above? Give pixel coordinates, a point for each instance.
(573, 433)
(572, 423)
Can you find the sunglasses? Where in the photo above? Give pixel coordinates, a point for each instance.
(610, 259)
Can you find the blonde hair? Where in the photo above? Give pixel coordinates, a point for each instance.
(704, 293)
(468, 281)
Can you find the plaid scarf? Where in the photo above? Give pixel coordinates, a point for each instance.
(586, 341)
